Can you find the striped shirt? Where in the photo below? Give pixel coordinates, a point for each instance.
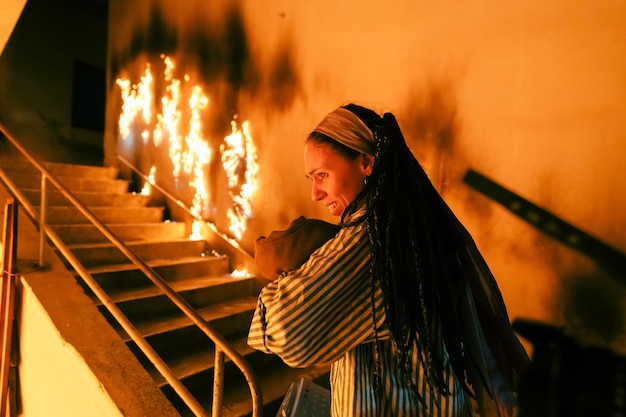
(322, 313)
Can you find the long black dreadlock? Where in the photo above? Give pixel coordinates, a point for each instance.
(415, 257)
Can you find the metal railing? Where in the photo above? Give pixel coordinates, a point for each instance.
(222, 346)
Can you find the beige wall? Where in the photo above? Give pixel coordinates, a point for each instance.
(54, 378)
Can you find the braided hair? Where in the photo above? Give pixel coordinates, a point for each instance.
(415, 258)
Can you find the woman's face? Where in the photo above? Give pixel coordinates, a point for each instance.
(335, 180)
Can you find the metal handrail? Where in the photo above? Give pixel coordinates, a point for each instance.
(222, 346)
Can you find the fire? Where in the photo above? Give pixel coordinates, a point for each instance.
(178, 126)
(240, 273)
(239, 159)
(147, 187)
(136, 99)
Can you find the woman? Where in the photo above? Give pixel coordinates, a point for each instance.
(400, 301)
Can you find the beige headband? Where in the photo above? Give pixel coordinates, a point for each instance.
(348, 129)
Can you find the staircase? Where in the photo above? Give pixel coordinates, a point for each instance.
(194, 269)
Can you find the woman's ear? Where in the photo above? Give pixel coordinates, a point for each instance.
(367, 163)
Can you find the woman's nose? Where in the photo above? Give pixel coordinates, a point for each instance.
(316, 193)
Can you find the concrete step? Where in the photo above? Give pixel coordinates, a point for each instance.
(131, 232)
(102, 254)
(81, 171)
(195, 362)
(175, 332)
(127, 276)
(74, 184)
(198, 292)
(88, 198)
(108, 215)
(21, 164)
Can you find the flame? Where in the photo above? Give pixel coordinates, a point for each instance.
(136, 100)
(239, 159)
(168, 121)
(240, 273)
(147, 187)
(189, 152)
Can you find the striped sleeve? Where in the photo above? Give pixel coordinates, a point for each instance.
(317, 313)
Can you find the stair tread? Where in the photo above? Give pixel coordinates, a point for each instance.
(201, 360)
(102, 253)
(186, 284)
(100, 245)
(20, 171)
(159, 325)
(102, 208)
(80, 192)
(63, 179)
(152, 264)
(126, 232)
(118, 225)
(139, 224)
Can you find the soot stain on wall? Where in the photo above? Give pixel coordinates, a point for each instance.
(220, 54)
(432, 126)
(284, 81)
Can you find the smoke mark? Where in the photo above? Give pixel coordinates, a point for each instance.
(284, 81)
(430, 120)
(153, 40)
(237, 52)
(219, 50)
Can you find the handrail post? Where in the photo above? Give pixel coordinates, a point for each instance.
(7, 300)
(218, 383)
(43, 205)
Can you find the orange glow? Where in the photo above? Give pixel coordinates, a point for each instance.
(181, 107)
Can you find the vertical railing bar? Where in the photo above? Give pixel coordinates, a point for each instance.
(43, 214)
(8, 294)
(218, 383)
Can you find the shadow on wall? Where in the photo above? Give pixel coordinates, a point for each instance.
(432, 127)
(219, 55)
(593, 309)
